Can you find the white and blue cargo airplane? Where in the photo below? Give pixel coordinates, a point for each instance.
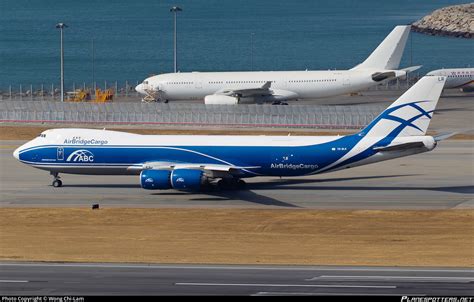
(184, 162)
(277, 87)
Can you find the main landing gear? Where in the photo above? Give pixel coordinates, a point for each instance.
(231, 184)
(57, 180)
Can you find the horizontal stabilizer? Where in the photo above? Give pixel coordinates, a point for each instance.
(380, 76)
(411, 68)
(400, 147)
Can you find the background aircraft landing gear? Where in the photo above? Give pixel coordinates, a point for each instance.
(57, 180)
(279, 103)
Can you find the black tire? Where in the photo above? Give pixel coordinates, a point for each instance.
(241, 184)
(57, 183)
(222, 184)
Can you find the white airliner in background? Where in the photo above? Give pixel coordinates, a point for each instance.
(229, 88)
(462, 78)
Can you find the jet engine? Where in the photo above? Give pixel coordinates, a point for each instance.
(219, 99)
(179, 179)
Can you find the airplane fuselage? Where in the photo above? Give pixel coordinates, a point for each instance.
(289, 84)
(456, 77)
(87, 151)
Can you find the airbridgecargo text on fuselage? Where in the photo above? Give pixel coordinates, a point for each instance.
(293, 166)
(77, 140)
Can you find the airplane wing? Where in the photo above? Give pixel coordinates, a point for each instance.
(411, 68)
(246, 92)
(231, 96)
(213, 170)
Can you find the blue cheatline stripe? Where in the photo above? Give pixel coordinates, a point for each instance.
(67, 164)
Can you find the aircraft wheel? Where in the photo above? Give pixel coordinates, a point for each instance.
(222, 184)
(231, 184)
(57, 183)
(241, 184)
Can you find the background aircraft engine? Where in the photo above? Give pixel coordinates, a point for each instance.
(155, 179)
(187, 179)
(216, 99)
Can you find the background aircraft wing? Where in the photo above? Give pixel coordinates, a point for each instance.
(246, 92)
(233, 96)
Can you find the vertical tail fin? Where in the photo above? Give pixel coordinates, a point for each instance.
(411, 113)
(388, 54)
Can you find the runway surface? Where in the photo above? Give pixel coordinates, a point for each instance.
(143, 279)
(441, 179)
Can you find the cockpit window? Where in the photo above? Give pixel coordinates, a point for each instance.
(145, 82)
(42, 135)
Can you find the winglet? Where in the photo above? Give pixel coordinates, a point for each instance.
(267, 85)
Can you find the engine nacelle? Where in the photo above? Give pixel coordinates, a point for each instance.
(187, 179)
(218, 99)
(155, 179)
(179, 179)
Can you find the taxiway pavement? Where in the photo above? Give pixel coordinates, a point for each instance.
(149, 279)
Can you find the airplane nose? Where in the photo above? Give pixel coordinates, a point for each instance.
(140, 89)
(16, 153)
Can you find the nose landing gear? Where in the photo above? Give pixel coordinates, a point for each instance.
(57, 180)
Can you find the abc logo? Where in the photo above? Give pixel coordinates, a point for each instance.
(81, 156)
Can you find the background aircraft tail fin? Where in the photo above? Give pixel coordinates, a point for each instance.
(388, 54)
(411, 113)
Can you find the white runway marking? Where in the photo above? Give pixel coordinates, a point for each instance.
(227, 267)
(14, 281)
(281, 285)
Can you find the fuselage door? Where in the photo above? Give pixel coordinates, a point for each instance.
(60, 153)
(346, 81)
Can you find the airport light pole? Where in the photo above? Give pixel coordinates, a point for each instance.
(251, 50)
(61, 26)
(175, 10)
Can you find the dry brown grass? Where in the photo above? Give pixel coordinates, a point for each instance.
(30, 132)
(240, 236)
